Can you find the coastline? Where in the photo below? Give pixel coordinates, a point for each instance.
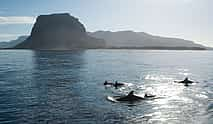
(127, 48)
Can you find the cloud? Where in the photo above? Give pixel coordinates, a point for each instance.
(5, 20)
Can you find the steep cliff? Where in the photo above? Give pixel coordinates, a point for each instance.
(59, 32)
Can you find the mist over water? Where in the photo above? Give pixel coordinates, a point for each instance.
(67, 86)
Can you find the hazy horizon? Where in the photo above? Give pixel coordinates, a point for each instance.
(185, 19)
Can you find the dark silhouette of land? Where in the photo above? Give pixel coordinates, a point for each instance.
(59, 32)
(160, 48)
(141, 40)
(65, 32)
(13, 43)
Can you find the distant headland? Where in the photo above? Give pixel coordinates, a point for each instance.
(65, 32)
(59, 32)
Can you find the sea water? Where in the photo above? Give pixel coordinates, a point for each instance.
(67, 86)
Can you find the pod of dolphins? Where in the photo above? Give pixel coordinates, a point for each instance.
(131, 97)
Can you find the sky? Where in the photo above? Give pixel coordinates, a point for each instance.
(186, 19)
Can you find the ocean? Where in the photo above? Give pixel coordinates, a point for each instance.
(67, 86)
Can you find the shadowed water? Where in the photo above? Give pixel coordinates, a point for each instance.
(67, 87)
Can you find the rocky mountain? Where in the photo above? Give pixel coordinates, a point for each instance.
(59, 32)
(130, 39)
(13, 43)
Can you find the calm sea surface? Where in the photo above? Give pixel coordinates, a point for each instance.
(67, 87)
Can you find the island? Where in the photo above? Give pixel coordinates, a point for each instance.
(142, 40)
(59, 32)
(62, 31)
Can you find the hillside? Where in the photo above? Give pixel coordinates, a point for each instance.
(130, 39)
(59, 32)
(13, 43)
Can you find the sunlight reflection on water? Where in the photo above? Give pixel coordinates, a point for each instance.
(67, 86)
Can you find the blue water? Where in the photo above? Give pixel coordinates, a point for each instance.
(67, 87)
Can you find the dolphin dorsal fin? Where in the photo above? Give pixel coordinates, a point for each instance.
(131, 93)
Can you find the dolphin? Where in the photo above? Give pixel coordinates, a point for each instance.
(149, 96)
(186, 82)
(118, 84)
(130, 97)
(108, 83)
